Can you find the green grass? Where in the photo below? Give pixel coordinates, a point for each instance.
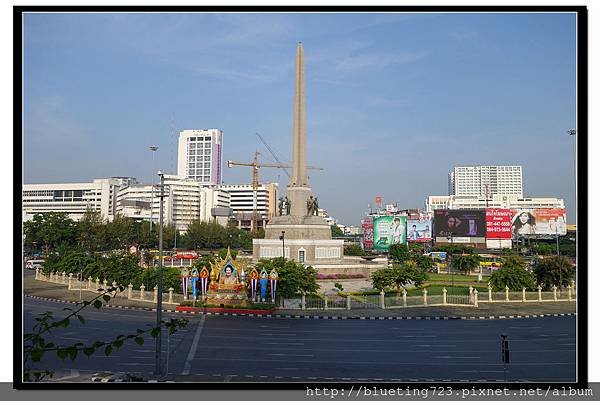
(458, 277)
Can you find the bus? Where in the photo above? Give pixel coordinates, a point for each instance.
(33, 264)
(490, 262)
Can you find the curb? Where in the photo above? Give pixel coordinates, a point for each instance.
(289, 316)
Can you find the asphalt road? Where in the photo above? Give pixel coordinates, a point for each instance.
(236, 348)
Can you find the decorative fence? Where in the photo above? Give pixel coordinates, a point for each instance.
(348, 302)
(90, 285)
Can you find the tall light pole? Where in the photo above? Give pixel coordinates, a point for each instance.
(573, 133)
(160, 277)
(153, 148)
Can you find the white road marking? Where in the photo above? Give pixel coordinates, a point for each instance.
(188, 361)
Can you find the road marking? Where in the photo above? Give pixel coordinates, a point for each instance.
(271, 343)
(188, 361)
(457, 357)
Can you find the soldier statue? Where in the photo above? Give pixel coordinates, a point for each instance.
(288, 205)
(281, 206)
(312, 206)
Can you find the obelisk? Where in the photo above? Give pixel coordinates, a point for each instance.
(298, 189)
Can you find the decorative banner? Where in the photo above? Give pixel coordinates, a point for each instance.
(273, 277)
(185, 278)
(498, 225)
(194, 282)
(388, 230)
(204, 280)
(264, 279)
(253, 281)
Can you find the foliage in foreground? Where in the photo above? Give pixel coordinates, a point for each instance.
(398, 276)
(36, 345)
(294, 277)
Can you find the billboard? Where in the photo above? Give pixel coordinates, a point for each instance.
(419, 229)
(367, 226)
(539, 222)
(460, 223)
(498, 223)
(388, 230)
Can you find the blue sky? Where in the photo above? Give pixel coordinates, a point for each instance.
(394, 101)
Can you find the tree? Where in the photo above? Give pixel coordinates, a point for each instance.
(453, 249)
(423, 262)
(353, 250)
(294, 278)
(556, 270)
(223, 253)
(336, 231)
(91, 226)
(512, 276)
(398, 253)
(49, 230)
(398, 276)
(465, 263)
(119, 233)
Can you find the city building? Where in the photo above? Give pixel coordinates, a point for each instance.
(185, 200)
(73, 198)
(436, 202)
(199, 155)
(482, 181)
(242, 203)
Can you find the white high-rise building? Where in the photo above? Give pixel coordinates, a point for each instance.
(186, 200)
(73, 198)
(495, 201)
(199, 155)
(486, 181)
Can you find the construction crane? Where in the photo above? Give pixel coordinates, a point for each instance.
(255, 166)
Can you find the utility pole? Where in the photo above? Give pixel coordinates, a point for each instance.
(153, 148)
(160, 275)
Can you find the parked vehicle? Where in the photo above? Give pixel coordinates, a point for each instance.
(33, 264)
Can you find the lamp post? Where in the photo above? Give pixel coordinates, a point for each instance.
(160, 275)
(573, 133)
(451, 239)
(153, 148)
(282, 238)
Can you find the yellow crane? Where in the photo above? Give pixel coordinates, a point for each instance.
(255, 166)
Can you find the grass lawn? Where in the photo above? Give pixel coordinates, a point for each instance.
(458, 277)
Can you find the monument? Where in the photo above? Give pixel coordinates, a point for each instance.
(298, 230)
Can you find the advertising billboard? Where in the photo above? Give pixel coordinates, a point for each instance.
(460, 223)
(388, 230)
(498, 223)
(367, 226)
(539, 222)
(419, 229)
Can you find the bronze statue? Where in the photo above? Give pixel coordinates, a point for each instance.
(288, 205)
(312, 206)
(281, 206)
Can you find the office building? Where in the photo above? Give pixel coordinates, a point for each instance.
(199, 155)
(186, 200)
(242, 203)
(486, 181)
(73, 198)
(495, 201)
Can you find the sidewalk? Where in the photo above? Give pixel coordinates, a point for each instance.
(496, 310)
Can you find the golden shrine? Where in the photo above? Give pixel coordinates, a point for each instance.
(227, 282)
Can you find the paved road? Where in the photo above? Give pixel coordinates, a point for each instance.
(218, 348)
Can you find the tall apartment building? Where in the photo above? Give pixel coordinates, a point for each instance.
(186, 200)
(486, 181)
(242, 203)
(495, 201)
(73, 198)
(199, 155)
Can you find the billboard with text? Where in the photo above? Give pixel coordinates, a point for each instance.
(367, 226)
(460, 223)
(498, 223)
(539, 222)
(388, 230)
(419, 229)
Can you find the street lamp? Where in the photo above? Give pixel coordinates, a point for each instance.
(153, 148)
(451, 239)
(160, 275)
(282, 238)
